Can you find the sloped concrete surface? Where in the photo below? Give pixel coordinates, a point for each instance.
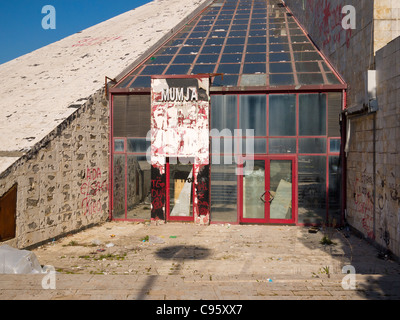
(175, 261)
(41, 89)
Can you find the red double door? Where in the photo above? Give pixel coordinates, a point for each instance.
(267, 191)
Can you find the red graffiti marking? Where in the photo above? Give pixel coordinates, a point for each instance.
(94, 41)
(330, 28)
(157, 193)
(90, 189)
(364, 207)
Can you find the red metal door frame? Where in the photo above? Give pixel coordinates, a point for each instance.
(267, 219)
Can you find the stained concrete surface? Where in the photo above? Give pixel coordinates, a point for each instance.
(179, 261)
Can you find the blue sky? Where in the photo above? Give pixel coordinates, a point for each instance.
(21, 21)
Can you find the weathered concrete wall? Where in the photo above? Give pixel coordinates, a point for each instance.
(373, 161)
(63, 181)
(388, 146)
(386, 22)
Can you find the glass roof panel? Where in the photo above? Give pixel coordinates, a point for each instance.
(252, 42)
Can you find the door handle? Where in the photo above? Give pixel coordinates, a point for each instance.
(271, 197)
(262, 196)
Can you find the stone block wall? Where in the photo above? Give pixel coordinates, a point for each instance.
(63, 181)
(388, 146)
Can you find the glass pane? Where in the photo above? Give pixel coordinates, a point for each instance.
(138, 188)
(310, 78)
(307, 56)
(253, 189)
(254, 146)
(302, 46)
(231, 58)
(233, 49)
(282, 146)
(181, 190)
(281, 79)
(223, 193)
(203, 68)
(280, 68)
(184, 59)
(281, 189)
(211, 49)
(229, 80)
(282, 115)
(257, 40)
(178, 69)
(224, 112)
(277, 57)
(119, 186)
(312, 189)
(312, 114)
(256, 48)
(141, 82)
(335, 195)
(253, 112)
(153, 70)
(189, 50)
(312, 145)
(160, 60)
(228, 68)
(255, 57)
(335, 145)
(275, 47)
(137, 145)
(252, 68)
(119, 145)
(307, 67)
(332, 79)
(207, 58)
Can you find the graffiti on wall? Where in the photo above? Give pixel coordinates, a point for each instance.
(91, 189)
(364, 203)
(329, 28)
(158, 193)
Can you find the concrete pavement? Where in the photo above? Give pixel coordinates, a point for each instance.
(177, 261)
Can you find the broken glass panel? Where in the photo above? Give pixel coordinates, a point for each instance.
(253, 80)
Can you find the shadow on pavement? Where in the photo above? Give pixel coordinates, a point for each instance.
(177, 254)
(379, 278)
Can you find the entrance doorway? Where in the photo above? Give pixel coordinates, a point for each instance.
(180, 191)
(268, 191)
